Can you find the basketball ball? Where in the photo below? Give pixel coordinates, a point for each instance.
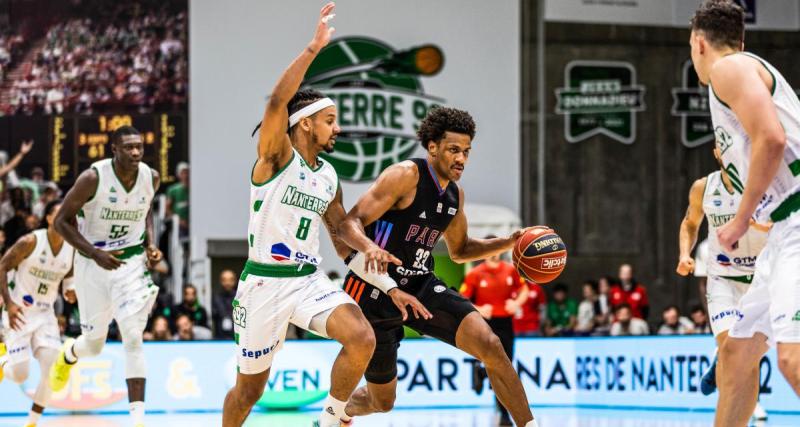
(540, 255)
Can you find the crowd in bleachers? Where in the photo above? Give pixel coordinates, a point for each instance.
(88, 65)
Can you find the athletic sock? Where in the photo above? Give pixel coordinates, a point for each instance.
(332, 412)
(33, 417)
(69, 354)
(532, 423)
(137, 412)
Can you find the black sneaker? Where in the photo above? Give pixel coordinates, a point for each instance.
(478, 375)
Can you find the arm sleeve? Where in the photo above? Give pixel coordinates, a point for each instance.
(380, 281)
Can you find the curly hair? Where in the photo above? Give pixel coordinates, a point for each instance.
(443, 119)
(722, 23)
(302, 98)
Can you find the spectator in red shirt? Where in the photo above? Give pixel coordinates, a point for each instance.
(628, 291)
(528, 320)
(498, 293)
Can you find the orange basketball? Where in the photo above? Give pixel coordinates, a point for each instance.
(540, 255)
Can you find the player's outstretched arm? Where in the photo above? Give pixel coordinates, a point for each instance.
(274, 146)
(687, 237)
(737, 81)
(384, 194)
(14, 162)
(20, 250)
(334, 216)
(463, 248)
(66, 222)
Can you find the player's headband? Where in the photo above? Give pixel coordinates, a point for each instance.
(309, 110)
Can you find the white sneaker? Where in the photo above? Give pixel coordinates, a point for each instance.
(759, 414)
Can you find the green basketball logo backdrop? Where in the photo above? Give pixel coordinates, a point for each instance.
(380, 101)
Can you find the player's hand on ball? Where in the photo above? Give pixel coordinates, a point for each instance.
(377, 260)
(730, 233)
(403, 299)
(69, 296)
(324, 31)
(107, 260)
(154, 256)
(16, 320)
(685, 266)
(517, 234)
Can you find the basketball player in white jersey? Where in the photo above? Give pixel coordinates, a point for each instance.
(729, 273)
(756, 117)
(292, 193)
(42, 260)
(106, 216)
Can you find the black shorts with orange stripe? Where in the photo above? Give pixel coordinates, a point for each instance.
(448, 307)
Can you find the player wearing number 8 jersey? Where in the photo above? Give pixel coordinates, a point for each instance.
(396, 224)
(292, 193)
(756, 117)
(106, 216)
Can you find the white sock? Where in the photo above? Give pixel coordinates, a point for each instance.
(137, 412)
(532, 423)
(69, 354)
(33, 417)
(332, 412)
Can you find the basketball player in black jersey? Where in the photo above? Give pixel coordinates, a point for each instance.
(395, 226)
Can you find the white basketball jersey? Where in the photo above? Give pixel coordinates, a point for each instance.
(286, 213)
(37, 277)
(720, 206)
(115, 218)
(734, 144)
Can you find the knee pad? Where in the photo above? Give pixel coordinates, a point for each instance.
(382, 368)
(131, 330)
(17, 372)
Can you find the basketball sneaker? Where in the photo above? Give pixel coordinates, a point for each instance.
(59, 371)
(708, 383)
(759, 414)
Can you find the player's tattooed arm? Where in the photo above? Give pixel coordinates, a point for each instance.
(687, 237)
(154, 254)
(386, 192)
(274, 146)
(20, 250)
(463, 248)
(67, 225)
(334, 216)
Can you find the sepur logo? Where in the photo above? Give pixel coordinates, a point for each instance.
(90, 383)
(380, 101)
(690, 103)
(600, 98)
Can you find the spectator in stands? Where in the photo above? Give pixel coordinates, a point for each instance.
(222, 308)
(562, 313)
(7, 166)
(187, 331)
(496, 290)
(528, 320)
(191, 307)
(159, 330)
(630, 292)
(50, 192)
(626, 324)
(590, 315)
(17, 226)
(178, 197)
(604, 297)
(675, 324)
(700, 320)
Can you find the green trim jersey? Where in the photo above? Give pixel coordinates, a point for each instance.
(286, 212)
(781, 197)
(37, 278)
(116, 218)
(720, 206)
